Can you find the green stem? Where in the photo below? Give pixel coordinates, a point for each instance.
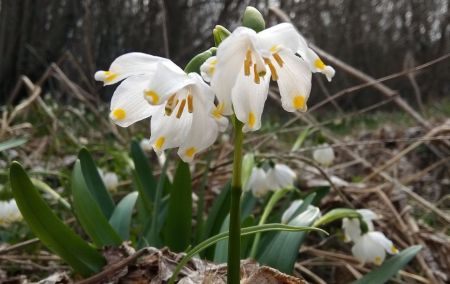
(234, 243)
(272, 201)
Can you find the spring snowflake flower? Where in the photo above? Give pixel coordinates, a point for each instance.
(280, 176)
(370, 246)
(9, 212)
(181, 106)
(111, 181)
(324, 155)
(289, 213)
(240, 73)
(257, 182)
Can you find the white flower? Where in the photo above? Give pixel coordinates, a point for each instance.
(111, 180)
(372, 247)
(145, 145)
(240, 73)
(289, 214)
(181, 105)
(352, 228)
(324, 155)
(280, 176)
(257, 182)
(9, 212)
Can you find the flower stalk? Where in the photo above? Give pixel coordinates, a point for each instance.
(234, 243)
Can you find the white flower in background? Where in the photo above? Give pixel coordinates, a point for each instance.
(181, 105)
(257, 182)
(289, 213)
(372, 247)
(280, 176)
(111, 181)
(240, 73)
(9, 212)
(352, 227)
(324, 155)
(145, 145)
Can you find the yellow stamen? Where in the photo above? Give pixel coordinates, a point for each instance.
(275, 48)
(272, 69)
(212, 66)
(251, 119)
(190, 152)
(109, 76)
(256, 76)
(181, 108)
(248, 56)
(319, 64)
(278, 59)
(394, 250)
(153, 96)
(377, 260)
(170, 105)
(119, 113)
(190, 104)
(247, 62)
(159, 143)
(298, 102)
(217, 112)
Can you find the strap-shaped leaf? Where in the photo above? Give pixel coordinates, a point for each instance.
(95, 183)
(177, 231)
(390, 267)
(52, 232)
(12, 143)
(121, 217)
(89, 213)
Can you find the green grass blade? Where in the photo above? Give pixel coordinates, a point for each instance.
(95, 183)
(52, 232)
(145, 181)
(244, 232)
(390, 267)
(89, 213)
(177, 230)
(12, 143)
(121, 217)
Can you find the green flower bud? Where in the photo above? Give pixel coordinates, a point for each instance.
(220, 33)
(198, 60)
(253, 19)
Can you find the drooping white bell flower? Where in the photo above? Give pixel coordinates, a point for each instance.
(324, 155)
(352, 227)
(289, 213)
(9, 212)
(372, 247)
(246, 60)
(257, 182)
(111, 181)
(280, 176)
(181, 105)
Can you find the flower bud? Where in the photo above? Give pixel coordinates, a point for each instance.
(220, 33)
(253, 19)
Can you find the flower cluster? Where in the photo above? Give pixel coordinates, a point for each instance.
(9, 212)
(277, 177)
(370, 246)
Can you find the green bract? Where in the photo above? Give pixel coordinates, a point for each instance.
(253, 19)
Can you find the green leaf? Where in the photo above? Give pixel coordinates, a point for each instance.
(121, 217)
(390, 267)
(95, 183)
(177, 230)
(12, 143)
(301, 138)
(244, 232)
(89, 213)
(281, 253)
(49, 228)
(337, 214)
(248, 162)
(221, 248)
(143, 173)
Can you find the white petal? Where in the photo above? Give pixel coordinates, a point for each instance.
(130, 64)
(281, 35)
(352, 229)
(164, 83)
(257, 182)
(128, 104)
(208, 68)
(249, 98)
(383, 241)
(316, 64)
(289, 213)
(294, 81)
(367, 250)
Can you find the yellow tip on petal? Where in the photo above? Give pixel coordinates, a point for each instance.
(217, 112)
(190, 152)
(394, 250)
(298, 102)
(319, 64)
(119, 114)
(377, 260)
(251, 119)
(160, 142)
(151, 96)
